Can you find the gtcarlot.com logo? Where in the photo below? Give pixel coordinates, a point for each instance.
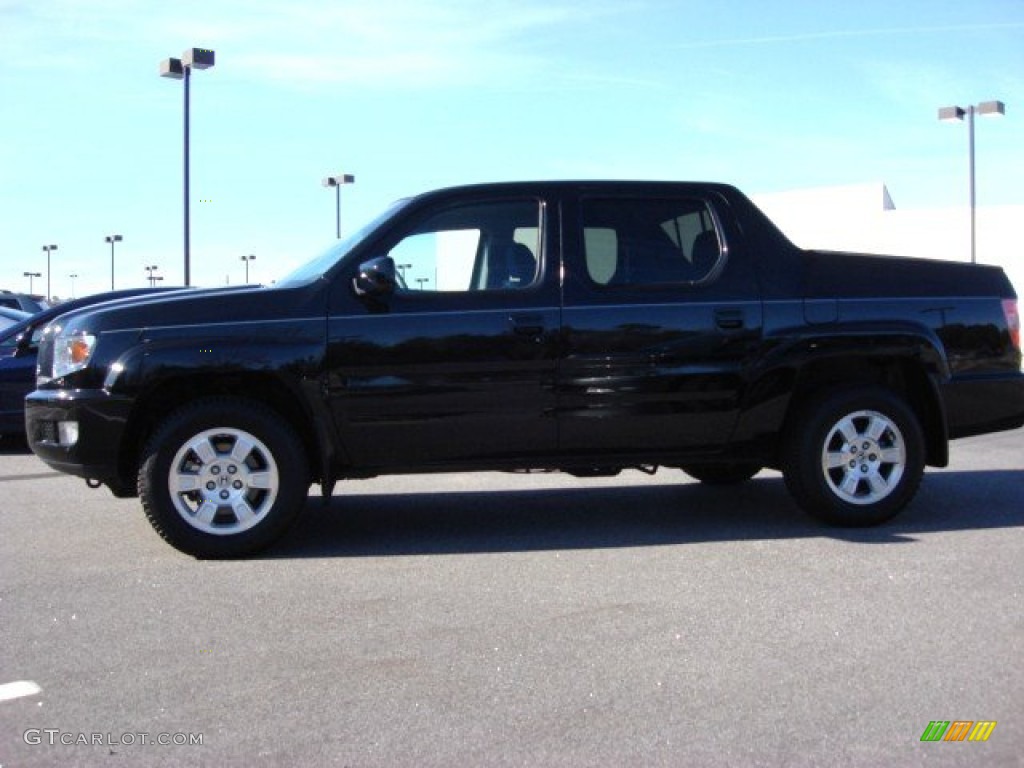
(958, 730)
(55, 737)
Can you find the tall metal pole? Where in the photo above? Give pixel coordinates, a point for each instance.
(957, 113)
(48, 249)
(112, 239)
(247, 258)
(187, 73)
(181, 69)
(970, 139)
(337, 182)
(337, 211)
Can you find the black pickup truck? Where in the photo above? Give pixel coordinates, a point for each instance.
(578, 326)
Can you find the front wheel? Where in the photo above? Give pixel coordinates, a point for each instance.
(223, 478)
(854, 457)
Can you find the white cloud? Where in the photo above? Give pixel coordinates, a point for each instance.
(301, 42)
(847, 33)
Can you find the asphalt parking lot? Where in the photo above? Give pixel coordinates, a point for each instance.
(519, 620)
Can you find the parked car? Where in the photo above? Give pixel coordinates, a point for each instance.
(9, 317)
(22, 301)
(19, 344)
(587, 327)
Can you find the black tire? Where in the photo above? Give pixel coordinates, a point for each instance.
(223, 477)
(722, 474)
(854, 457)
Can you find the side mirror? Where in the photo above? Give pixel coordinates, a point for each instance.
(376, 277)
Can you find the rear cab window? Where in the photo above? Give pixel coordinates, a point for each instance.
(650, 241)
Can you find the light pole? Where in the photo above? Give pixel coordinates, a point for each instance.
(31, 275)
(49, 249)
(112, 239)
(247, 259)
(337, 182)
(151, 269)
(73, 275)
(948, 114)
(181, 69)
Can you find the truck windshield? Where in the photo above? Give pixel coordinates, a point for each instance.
(317, 267)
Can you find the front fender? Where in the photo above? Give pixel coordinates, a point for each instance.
(283, 346)
(280, 366)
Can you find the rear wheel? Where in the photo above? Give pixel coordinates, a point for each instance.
(854, 457)
(223, 478)
(722, 474)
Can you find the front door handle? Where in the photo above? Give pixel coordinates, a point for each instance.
(527, 325)
(729, 319)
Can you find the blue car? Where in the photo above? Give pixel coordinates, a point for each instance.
(19, 343)
(23, 301)
(9, 317)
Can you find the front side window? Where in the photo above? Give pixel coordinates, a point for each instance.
(649, 241)
(479, 247)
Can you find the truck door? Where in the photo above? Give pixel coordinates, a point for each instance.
(456, 364)
(661, 314)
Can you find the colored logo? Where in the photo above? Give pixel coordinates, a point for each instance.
(958, 730)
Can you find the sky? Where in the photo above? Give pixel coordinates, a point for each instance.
(410, 95)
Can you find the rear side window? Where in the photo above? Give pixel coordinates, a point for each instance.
(649, 241)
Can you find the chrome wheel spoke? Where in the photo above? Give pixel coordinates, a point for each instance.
(850, 484)
(848, 430)
(185, 482)
(261, 480)
(203, 448)
(836, 460)
(243, 512)
(206, 512)
(878, 484)
(241, 450)
(876, 428)
(894, 455)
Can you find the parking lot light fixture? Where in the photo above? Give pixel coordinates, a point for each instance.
(181, 69)
(112, 239)
(152, 278)
(247, 259)
(956, 113)
(49, 249)
(30, 276)
(73, 275)
(337, 182)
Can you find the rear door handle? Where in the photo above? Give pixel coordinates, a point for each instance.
(729, 319)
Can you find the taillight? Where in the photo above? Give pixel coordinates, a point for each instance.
(1012, 320)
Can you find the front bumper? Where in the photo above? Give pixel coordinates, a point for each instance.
(100, 419)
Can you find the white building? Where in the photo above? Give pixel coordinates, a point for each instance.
(863, 218)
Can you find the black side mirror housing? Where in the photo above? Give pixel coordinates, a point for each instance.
(376, 277)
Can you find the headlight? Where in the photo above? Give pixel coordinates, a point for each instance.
(72, 353)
